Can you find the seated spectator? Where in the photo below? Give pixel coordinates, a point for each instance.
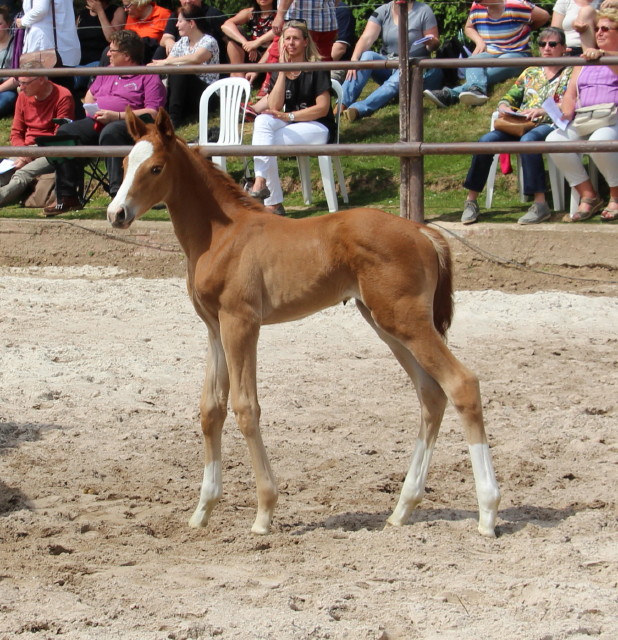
(145, 94)
(574, 16)
(214, 21)
(38, 102)
(8, 86)
(346, 38)
(499, 29)
(148, 20)
(95, 24)
(299, 112)
(385, 22)
(194, 47)
(252, 45)
(526, 97)
(591, 85)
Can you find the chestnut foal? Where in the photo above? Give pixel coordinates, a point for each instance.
(248, 267)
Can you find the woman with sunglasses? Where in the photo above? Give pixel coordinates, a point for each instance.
(525, 97)
(591, 85)
(299, 112)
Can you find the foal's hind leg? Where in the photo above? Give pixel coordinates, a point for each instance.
(213, 410)
(433, 403)
(458, 383)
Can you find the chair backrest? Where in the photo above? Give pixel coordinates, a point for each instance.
(233, 98)
(337, 88)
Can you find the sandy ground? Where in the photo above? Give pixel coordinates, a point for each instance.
(101, 366)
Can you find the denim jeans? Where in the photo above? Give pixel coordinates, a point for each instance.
(7, 103)
(484, 78)
(531, 163)
(388, 79)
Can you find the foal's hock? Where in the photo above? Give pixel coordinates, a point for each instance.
(247, 267)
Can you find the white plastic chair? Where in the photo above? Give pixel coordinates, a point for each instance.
(560, 186)
(233, 98)
(326, 167)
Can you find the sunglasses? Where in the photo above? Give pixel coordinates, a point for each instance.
(605, 28)
(550, 43)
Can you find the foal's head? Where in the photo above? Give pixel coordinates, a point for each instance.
(148, 172)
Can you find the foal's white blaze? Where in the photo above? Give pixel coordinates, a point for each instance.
(141, 152)
(487, 491)
(209, 495)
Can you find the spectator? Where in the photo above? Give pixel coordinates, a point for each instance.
(253, 45)
(95, 24)
(110, 95)
(574, 16)
(499, 29)
(148, 20)
(591, 85)
(346, 38)
(526, 96)
(214, 22)
(194, 47)
(8, 86)
(37, 103)
(41, 33)
(320, 17)
(385, 22)
(299, 112)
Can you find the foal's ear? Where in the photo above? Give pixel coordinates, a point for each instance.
(164, 126)
(135, 126)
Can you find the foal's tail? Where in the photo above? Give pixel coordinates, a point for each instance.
(443, 298)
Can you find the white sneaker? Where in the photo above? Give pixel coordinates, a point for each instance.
(474, 97)
(471, 212)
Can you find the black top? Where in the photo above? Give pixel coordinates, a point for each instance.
(90, 33)
(302, 92)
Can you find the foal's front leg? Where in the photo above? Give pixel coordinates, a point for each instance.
(240, 338)
(213, 410)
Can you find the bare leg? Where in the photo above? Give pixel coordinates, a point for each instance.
(213, 410)
(240, 344)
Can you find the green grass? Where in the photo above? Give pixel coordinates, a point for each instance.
(371, 180)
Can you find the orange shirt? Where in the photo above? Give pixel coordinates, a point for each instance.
(151, 27)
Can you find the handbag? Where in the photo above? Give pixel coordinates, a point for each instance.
(589, 119)
(513, 125)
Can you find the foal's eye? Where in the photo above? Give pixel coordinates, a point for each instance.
(156, 170)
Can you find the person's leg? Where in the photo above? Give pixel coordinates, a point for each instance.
(183, 97)
(500, 74)
(531, 164)
(265, 167)
(475, 77)
(388, 89)
(607, 163)
(69, 172)
(7, 103)
(236, 55)
(433, 79)
(114, 134)
(352, 88)
(22, 179)
(481, 164)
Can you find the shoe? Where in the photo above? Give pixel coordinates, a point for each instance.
(64, 205)
(474, 97)
(262, 194)
(538, 212)
(278, 209)
(442, 98)
(609, 215)
(471, 212)
(351, 114)
(595, 205)
(250, 113)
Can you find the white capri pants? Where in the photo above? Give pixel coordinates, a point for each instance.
(571, 163)
(268, 130)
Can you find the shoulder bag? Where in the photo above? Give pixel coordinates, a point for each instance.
(589, 119)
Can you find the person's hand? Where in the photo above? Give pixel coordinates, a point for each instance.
(18, 23)
(277, 25)
(251, 45)
(592, 54)
(534, 114)
(95, 6)
(21, 162)
(168, 47)
(251, 77)
(351, 74)
(156, 63)
(480, 48)
(105, 116)
(581, 26)
(280, 115)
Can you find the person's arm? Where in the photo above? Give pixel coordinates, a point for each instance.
(434, 43)
(231, 27)
(569, 101)
(557, 19)
(309, 114)
(282, 9)
(199, 56)
(117, 22)
(471, 33)
(596, 54)
(65, 107)
(370, 35)
(40, 8)
(18, 136)
(10, 84)
(538, 18)
(276, 98)
(584, 25)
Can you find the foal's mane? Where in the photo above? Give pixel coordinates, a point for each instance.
(219, 183)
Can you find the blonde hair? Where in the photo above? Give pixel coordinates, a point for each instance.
(609, 4)
(311, 52)
(609, 12)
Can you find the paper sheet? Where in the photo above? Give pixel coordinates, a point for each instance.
(553, 111)
(6, 165)
(91, 108)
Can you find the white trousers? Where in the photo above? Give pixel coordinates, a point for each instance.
(268, 130)
(571, 163)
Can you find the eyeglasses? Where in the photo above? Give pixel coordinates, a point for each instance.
(110, 50)
(25, 83)
(605, 28)
(550, 43)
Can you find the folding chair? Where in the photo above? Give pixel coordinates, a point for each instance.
(94, 175)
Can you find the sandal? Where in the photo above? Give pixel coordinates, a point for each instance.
(594, 203)
(609, 215)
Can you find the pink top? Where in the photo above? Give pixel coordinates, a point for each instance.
(597, 85)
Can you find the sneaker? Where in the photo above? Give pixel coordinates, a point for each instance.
(474, 97)
(538, 212)
(471, 212)
(442, 98)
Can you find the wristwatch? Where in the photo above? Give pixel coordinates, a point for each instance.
(291, 117)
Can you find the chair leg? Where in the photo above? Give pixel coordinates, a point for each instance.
(220, 161)
(556, 182)
(328, 180)
(491, 180)
(305, 178)
(341, 179)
